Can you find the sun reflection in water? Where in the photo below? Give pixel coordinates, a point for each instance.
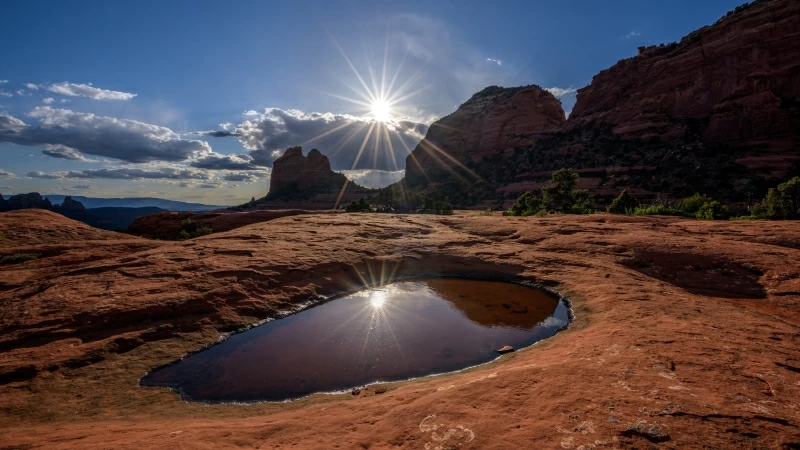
(377, 300)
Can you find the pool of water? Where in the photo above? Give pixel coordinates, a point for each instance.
(402, 330)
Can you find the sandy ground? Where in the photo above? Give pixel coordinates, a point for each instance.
(686, 333)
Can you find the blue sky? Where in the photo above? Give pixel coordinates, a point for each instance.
(105, 98)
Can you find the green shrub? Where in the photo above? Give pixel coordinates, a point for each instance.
(656, 210)
(560, 195)
(359, 205)
(713, 210)
(18, 258)
(624, 204)
(439, 207)
(486, 212)
(691, 205)
(190, 230)
(782, 202)
(526, 204)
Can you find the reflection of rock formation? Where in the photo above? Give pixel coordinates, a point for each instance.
(494, 304)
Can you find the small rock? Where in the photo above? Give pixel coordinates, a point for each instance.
(380, 390)
(505, 349)
(356, 391)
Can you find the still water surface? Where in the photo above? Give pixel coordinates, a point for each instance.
(403, 330)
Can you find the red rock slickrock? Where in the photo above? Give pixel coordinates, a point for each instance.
(492, 121)
(167, 225)
(685, 333)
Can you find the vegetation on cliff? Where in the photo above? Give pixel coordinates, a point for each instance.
(561, 195)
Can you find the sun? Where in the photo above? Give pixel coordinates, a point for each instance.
(381, 111)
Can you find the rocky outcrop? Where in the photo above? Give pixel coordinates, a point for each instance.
(739, 77)
(25, 201)
(717, 112)
(495, 120)
(70, 205)
(306, 182)
(295, 173)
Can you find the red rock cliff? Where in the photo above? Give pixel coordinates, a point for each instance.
(492, 121)
(307, 182)
(741, 76)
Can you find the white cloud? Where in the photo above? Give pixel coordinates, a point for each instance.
(374, 178)
(87, 90)
(48, 100)
(31, 86)
(560, 92)
(124, 139)
(44, 175)
(3, 81)
(6, 94)
(127, 173)
(63, 152)
(216, 161)
(496, 61)
(341, 137)
(5, 174)
(21, 92)
(631, 35)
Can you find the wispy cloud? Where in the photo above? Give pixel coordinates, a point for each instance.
(560, 92)
(31, 86)
(48, 100)
(6, 94)
(631, 35)
(496, 61)
(5, 174)
(3, 81)
(89, 91)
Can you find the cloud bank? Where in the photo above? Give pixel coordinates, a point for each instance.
(123, 139)
(341, 137)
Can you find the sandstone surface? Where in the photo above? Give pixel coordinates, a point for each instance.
(685, 333)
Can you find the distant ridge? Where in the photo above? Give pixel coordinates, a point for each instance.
(134, 202)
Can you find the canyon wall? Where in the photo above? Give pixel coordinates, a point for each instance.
(717, 112)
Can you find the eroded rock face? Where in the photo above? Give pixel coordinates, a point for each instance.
(71, 205)
(718, 113)
(493, 121)
(741, 76)
(25, 201)
(307, 182)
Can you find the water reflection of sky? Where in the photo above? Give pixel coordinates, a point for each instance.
(402, 330)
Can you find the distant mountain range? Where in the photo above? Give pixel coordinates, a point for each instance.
(134, 202)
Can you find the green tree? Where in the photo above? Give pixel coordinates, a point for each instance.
(526, 204)
(624, 204)
(790, 198)
(561, 194)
